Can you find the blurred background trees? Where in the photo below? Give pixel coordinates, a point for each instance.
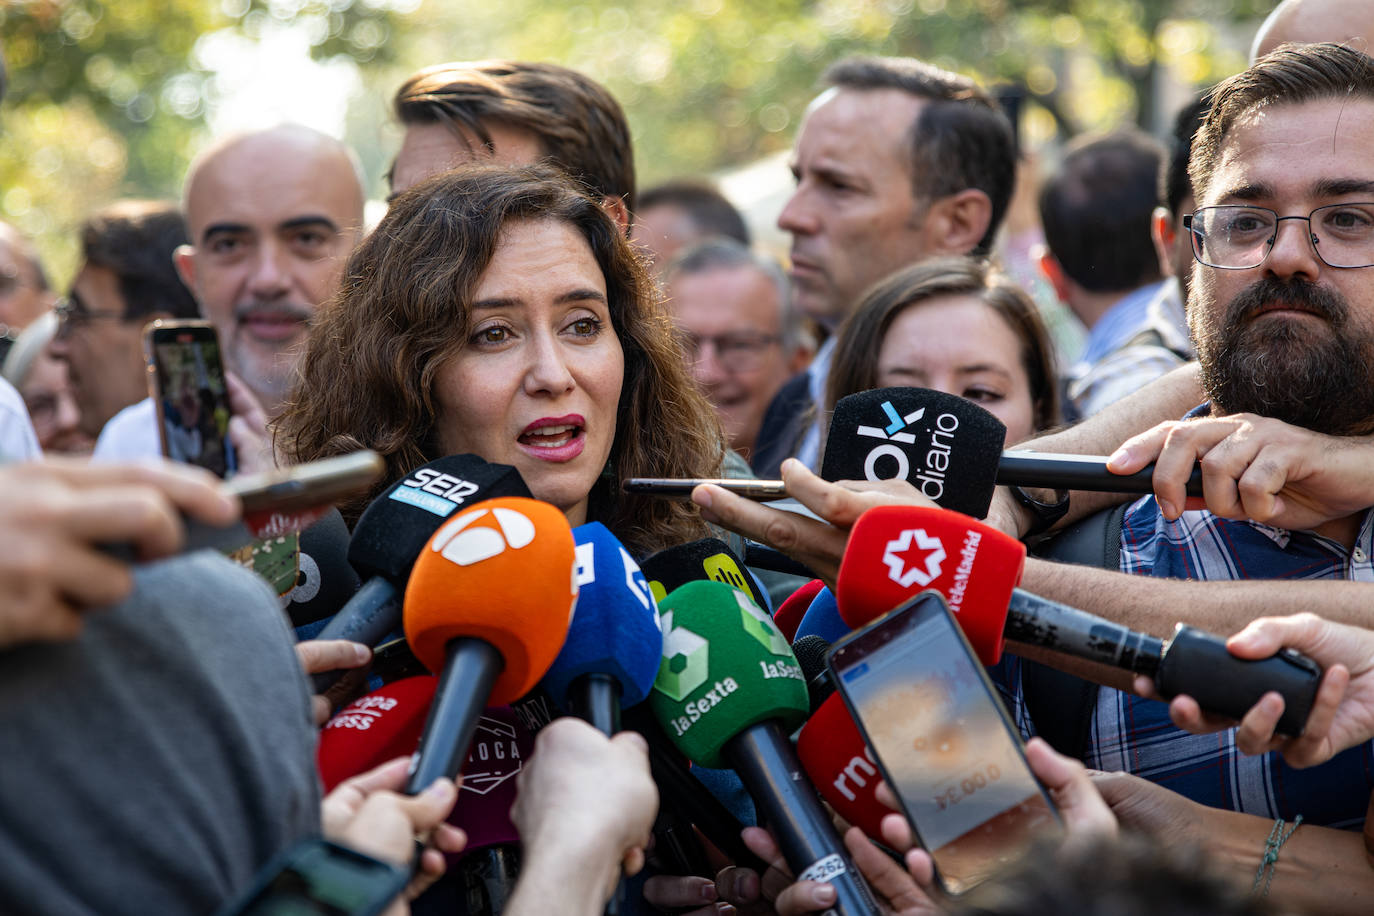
(111, 99)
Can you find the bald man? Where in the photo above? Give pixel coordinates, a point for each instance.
(1308, 21)
(271, 216)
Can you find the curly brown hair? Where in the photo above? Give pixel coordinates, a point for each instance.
(403, 310)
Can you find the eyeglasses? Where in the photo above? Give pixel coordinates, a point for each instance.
(1238, 238)
(72, 315)
(739, 352)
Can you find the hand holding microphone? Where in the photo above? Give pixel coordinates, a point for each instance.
(728, 691)
(487, 607)
(897, 551)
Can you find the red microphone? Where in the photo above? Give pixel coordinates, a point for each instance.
(373, 729)
(488, 604)
(789, 614)
(896, 551)
(841, 766)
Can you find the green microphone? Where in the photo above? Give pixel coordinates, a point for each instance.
(728, 693)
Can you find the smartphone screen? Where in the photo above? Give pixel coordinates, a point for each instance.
(187, 385)
(943, 742)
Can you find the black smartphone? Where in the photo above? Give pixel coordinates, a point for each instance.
(186, 382)
(679, 487)
(943, 741)
(319, 878)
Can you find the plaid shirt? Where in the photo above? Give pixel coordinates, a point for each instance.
(1135, 735)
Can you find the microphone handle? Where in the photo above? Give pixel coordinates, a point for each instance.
(367, 617)
(1058, 627)
(682, 794)
(595, 698)
(768, 765)
(1078, 472)
(1197, 663)
(471, 667)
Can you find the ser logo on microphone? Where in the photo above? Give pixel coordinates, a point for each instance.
(930, 477)
(434, 491)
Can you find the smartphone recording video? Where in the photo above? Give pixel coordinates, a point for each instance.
(186, 381)
(944, 743)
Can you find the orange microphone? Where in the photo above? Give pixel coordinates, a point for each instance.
(487, 608)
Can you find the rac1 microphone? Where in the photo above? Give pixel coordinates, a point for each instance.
(896, 551)
(951, 450)
(488, 605)
(728, 692)
(391, 533)
(614, 645)
(708, 558)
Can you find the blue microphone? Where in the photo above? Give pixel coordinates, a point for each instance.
(615, 643)
(823, 619)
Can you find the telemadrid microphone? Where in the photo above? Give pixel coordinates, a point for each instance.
(391, 533)
(488, 605)
(614, 644)
(788, 615)
(708, 558)
(896, 551)
(728, 693)
(951, 450)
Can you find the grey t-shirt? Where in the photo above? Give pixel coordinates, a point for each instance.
(155, 763)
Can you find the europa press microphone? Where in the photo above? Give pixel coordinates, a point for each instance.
(488, 605)
(728, 693)
(391, 533)
(387, 723)
(896, 551)
(951, 450)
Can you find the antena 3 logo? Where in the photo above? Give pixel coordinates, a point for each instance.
(913, 558)
(463, 543)
(434, 491)
(930, 478)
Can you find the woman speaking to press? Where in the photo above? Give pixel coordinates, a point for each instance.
(501, 312)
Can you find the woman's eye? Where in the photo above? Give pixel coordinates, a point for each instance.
(585, 327)
(982, 394)
(493, 335)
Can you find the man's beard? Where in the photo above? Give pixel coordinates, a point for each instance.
(1317, 378)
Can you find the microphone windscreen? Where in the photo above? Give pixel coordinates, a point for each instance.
(841, 767)
(725, 667)
(823, 619)
(500, 747)
(395, 527)
(324, 579)
(373, 729)
(894, 552)
(789, 614)
(616, 629)
(811, 652)
(708, 558)
(945, 446)
(502, 572)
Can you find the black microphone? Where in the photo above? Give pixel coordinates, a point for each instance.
(951, 450)
(1191, 661)
(325, 581)
(811, 652)
(708, 558)
(391, 533)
